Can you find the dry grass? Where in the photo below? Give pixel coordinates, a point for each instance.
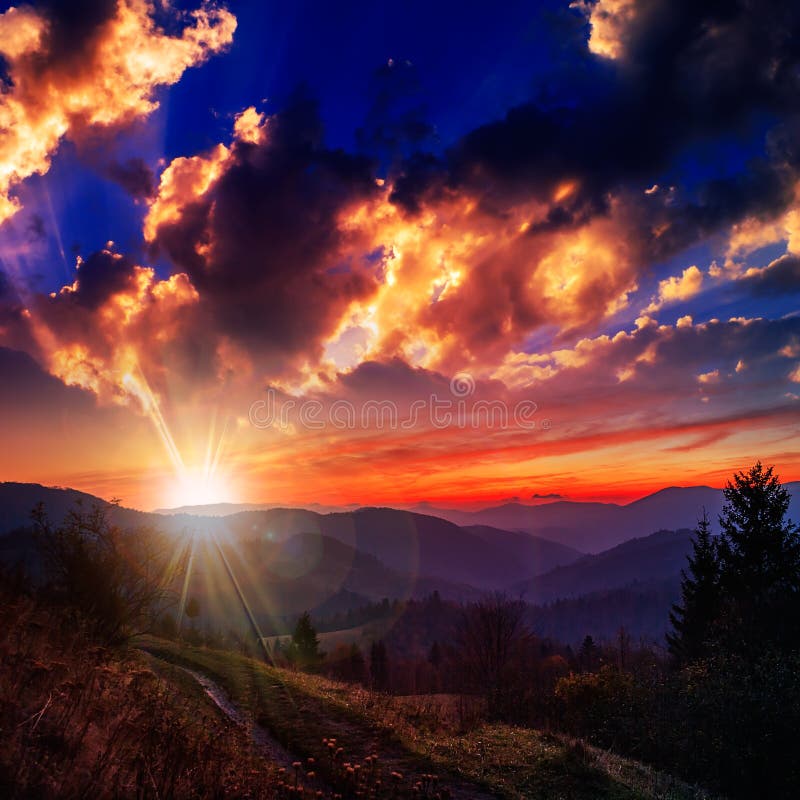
(422, 737)
(369, 754)
(81, 721)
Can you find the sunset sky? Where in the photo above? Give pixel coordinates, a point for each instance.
(385, 253)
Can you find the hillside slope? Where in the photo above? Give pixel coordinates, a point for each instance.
(495, 760)
(658, 557)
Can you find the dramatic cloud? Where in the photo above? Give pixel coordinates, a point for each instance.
(779, 278)
(304, 263)
(75, 68)
(134, 176)
(258, 229)
(684, 71)
(302, 257)
(609, 21)
(527, 224)
(117, 323)
(678, 288)
(653, 358)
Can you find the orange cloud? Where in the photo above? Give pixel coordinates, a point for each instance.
(609, 20)
(461, 286)
(677, 288)
(451, 285)
(184, 181)
(115, 322)
(109, 81)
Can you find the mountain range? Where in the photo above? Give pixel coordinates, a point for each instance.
(588, 527)
(594, 527)
(424, 548)
(290, 559)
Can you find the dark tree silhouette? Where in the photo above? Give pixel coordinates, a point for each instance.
(759, 553)
(358, 664)
(490, 632)
(693, 619)
(192, 608)
(435, 655)
(742, 589)
(304, 648)
(588, 655)
(116, 580)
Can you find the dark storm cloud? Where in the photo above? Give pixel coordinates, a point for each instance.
(688, 71)
(7, 293)
(763, 189)
(277, 274)
(26, 388)
(35, 230)
(392, 378)
(422, 175)
(134, 176)
(14, 328)
(780, 278)
(102, 274)
(72, 23)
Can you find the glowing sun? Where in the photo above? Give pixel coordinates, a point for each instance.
(197, 489)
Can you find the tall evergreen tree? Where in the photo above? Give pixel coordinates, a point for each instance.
(588, 655)
(759, 553)
(304, 648)
(694, 617)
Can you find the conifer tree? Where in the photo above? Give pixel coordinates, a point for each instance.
(759, 553)
(304, 648)
(742, 589)
(694, 617)
(588, 655)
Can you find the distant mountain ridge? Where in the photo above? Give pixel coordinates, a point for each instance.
(416, 545)
(648, 559)
(594, 527)
(227, 509)
(589, 527)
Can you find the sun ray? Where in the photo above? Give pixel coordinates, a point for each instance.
(220, 448)
(140, 388)
(186, 579)
(245, 605)
(56, 229)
